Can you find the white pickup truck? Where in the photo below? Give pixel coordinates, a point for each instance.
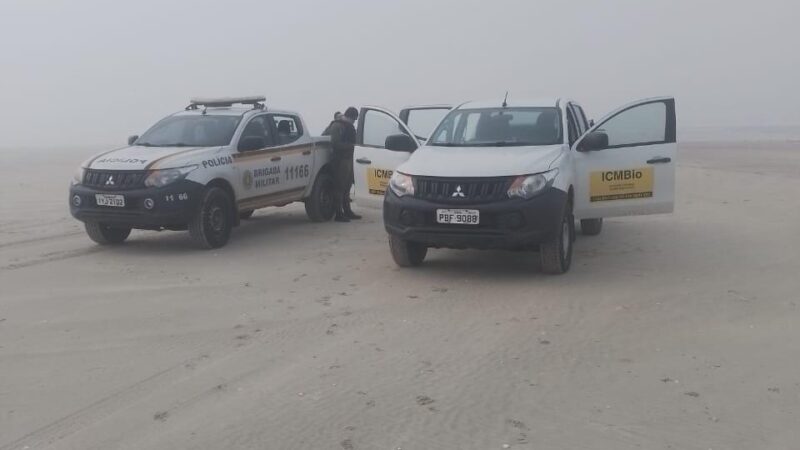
(204, 169)
(514, 175)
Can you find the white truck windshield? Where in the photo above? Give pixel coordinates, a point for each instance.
(190, 131)
(493, 127)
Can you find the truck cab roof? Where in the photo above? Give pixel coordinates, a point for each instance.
(515, 103)
(229, 106)
(231, 111)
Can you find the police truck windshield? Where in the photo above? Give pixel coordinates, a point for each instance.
(190, 131)
(495, 127)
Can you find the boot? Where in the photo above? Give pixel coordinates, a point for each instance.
(340, 214)
(348, 211)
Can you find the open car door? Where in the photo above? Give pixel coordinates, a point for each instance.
(373, 163)
(625, 164)
(422, 120)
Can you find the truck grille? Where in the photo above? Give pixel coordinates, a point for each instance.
(114, 180)
(450, 190)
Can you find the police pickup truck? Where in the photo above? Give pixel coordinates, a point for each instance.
(204, 169)
(514, 175)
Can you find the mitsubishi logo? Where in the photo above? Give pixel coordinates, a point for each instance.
(458, 192)
(110, 180)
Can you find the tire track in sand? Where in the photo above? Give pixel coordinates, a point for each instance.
(52, 257)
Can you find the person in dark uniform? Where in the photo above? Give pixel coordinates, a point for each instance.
(343, 141)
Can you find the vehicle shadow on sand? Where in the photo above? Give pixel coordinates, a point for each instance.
(256, 231)
(624, 247)
(481, 264)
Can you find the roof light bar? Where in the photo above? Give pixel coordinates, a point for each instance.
(256, 100)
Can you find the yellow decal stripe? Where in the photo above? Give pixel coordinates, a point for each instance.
(270, 199)
(272, 152)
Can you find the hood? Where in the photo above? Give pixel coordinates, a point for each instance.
(480, 161)
(140, 158)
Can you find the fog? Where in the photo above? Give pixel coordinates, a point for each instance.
(92, 72)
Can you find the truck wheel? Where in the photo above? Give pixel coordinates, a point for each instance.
(407, 254)
(244, 215)
(591, 227)
(211, 224)
(556, 255)
(106, 234)
(320, 206)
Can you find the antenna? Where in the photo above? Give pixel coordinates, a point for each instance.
(505, 100)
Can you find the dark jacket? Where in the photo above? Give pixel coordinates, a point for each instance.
(343, 138)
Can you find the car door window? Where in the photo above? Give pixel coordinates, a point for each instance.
(288, 128)
(377, 127)
(640, 125)
(257, 128)
(422, 121)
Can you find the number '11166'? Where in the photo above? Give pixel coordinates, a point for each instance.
(294, 172)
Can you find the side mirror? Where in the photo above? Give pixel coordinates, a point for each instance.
(250, 143)
(400, 143)
(596, 140)
(132, 139)
(591, 123)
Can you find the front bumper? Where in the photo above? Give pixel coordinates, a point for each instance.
(508, 224)
(173, 206)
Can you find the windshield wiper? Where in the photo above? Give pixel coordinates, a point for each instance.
(445, 144)
(144, 144)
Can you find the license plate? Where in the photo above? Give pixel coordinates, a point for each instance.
(110, 200)
(458, 216)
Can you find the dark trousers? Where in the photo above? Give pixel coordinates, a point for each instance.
(343, 180)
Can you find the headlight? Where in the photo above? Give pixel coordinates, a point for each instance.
(528, 186)
(160, 178)
(401, 184)
(77, 178)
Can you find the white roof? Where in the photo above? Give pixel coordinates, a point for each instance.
(231, 111)
(512, 103)
(430, 106)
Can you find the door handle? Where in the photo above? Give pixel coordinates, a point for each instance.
(307, 152)
(363, 161)
(275, 158)
(659, 160)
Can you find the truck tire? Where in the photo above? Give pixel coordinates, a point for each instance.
(591, 227)
(407, 254)
(320, 206)
(106, 234)
(556, 255)
(211, 224)
(244, 215)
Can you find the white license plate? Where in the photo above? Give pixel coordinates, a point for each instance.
(458, 216)
(110, 200)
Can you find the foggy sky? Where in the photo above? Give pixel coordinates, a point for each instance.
(93, 72)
